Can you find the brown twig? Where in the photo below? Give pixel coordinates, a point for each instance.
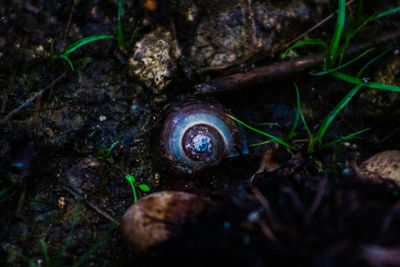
(21, 199)
(313, 27)
(31, 99)
(318, 198)
(262, 74)
(90, 204)
(36, 114)
(297, 203)
(267, 208)
(390, 217)
(68, 27)
(386, 137)
(7, 91)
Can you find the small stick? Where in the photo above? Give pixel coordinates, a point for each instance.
(262, 74)
(313, 27)
(266, 230)
(74, 4)
(318, 198)
(31, 99)
(298, 204)
(21, 199)
(267, 208)
(386, 137)
(6, 92)
(90, 204)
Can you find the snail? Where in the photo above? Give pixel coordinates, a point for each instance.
(157, 217)
(383, 165)
(196, 136)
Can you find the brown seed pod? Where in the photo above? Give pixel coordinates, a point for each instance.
(159, 216)
(383, 165)
(196, 136)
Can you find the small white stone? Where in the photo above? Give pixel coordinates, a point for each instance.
(102, 118)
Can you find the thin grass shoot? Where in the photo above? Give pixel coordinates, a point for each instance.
(120, 34)
(276, 139)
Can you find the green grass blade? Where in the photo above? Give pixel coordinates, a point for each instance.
(301, 112)
(309, 133)
(132, 38)
(262, 143)
(361, 71)
(341, 17)
(105, 236)
(336, 110)
(348, 78)
(305, 42)
(311, 145)
(388, 12)
(269, 124)
(344, 138)
(359, 28)
(276, 139)
(52, 50)
(120, 34)
(45, 253)
(83, 60)
(383, 86)
(343, 65)
(298, 111)
(360, 82)
(292, 131)
(66, 58)
(72, 47)
(69, 237)
(374, 17)
(351, 35)
(5, 190)
(25, 258)
(362, 25)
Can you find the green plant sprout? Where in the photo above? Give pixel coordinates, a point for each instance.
(5, 190)
(274, 138)
(334, 52)
(120, 32)
(119, 36)
(315, 140)
(134, 183)
(64, 54)
(105, 153)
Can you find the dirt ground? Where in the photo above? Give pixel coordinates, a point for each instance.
(64, 152)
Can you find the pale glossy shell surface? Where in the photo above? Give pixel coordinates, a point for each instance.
(384, 165)
(157, 217)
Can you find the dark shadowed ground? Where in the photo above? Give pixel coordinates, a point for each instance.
(64, 155)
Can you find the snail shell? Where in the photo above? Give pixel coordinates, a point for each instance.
(159, 216)
(383, 165)
(196, 136)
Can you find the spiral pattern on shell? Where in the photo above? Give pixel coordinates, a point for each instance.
(196, 136)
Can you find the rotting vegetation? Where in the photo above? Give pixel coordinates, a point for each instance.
(71, 132)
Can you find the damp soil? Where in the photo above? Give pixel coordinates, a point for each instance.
(64, 155)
